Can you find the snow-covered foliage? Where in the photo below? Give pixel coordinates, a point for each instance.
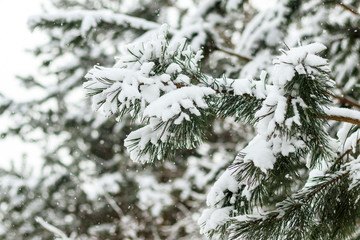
(152, 80)
(283, 110)
(254, 142)
(137, 81)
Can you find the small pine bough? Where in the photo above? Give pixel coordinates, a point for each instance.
(159, 83)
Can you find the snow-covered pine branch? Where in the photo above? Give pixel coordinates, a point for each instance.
(161, 84)
(155, 82)
(88, 20)
(306, 208)
(288, 129)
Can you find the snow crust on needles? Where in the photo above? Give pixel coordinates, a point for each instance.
(170, 104)
(213, 217)
(302, 60)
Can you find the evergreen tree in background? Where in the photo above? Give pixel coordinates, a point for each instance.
(209, 104)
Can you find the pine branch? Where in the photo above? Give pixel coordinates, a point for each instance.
(293, 217)
(257, 226)
(313, 193)
(347, 152)
(332, 116)
(90, 19)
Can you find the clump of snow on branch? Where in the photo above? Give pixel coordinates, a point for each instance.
(226, 182)
(171, 104)
(263, 159)
(243, 86)
(218, 215)
(213, 218)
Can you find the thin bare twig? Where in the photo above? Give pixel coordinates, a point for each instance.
(346, 100)
(57, 232)
(348, 8)
(113, 205)
(231, 53)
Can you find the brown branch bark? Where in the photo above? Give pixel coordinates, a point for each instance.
(348, 8)
(341, 119)
(231, 53)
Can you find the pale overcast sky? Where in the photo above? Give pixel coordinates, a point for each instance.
(14, 39)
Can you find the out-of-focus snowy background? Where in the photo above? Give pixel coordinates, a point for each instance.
(14, 60)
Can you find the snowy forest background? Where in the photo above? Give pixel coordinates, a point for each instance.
(69, 172)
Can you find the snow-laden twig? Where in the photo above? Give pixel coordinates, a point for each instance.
(113, 204)
(57, 232)
(342, 115)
